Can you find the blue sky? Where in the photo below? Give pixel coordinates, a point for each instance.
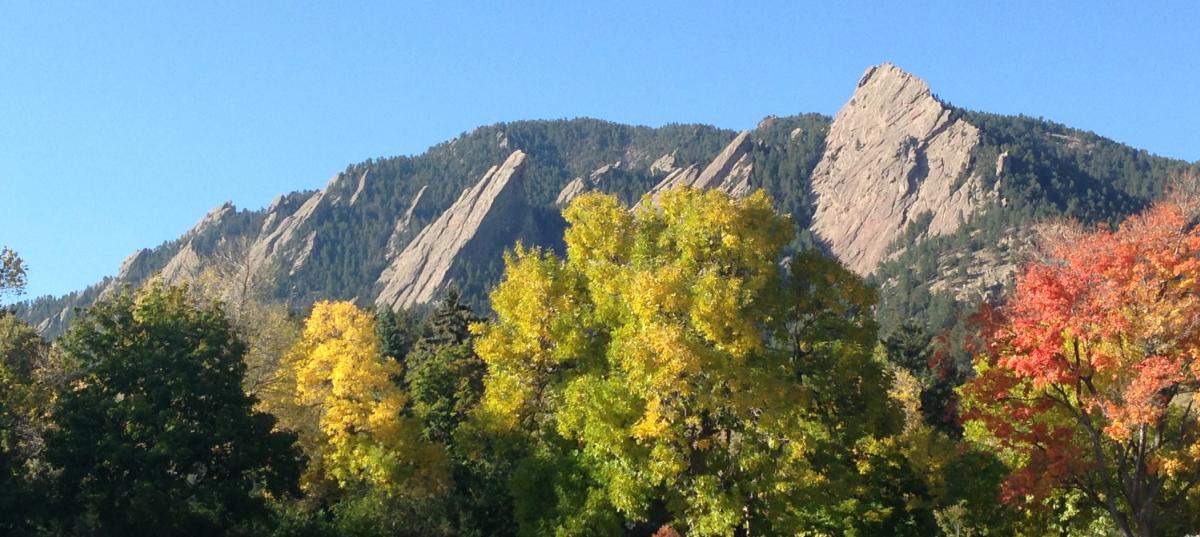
(122, 124)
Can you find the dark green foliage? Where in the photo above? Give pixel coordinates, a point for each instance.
(912, 349)
(398, 332)
(555, 495)
(156, 436)
(786, 152)
(445, 377)
(1053, 170)
(444, 380)
(972, 482)
(450, 322)
(24, 395)
(895, 489)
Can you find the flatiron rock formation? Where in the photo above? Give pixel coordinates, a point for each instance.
(595, 181)
(481, 215)
(893, 153)
(729, 172)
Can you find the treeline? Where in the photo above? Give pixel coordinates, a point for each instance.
(662, 376)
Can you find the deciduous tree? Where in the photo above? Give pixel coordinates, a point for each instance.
(1091, 367)
(26, 390)
(155, 435)
(12, 272)
(669, 370)
(358, 435)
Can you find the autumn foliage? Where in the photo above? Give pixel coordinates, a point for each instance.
(1090, 370)
(347, 387)
(668, 370)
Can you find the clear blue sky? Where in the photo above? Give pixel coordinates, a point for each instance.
(121, 124)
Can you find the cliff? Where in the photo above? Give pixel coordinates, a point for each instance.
(893, 153)
(482, 217)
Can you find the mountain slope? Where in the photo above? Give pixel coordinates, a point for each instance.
(931, 201)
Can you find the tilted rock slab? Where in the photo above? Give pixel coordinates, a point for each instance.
(477, 221)
(893, 152)
(729, 172)
(579, 185)
(185, 264)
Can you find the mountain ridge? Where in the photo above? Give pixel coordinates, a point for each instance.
(897, 178)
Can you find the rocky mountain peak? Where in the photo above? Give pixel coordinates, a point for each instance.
(893, 153)
(213, 218)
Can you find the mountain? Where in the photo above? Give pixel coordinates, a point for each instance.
(932, 202)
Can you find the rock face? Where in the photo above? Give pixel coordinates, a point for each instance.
(130, 262)
(278, 240)
(579, 185)
(186, 263)
(184, 266)
(477, 221)
(362, 184)
(729, 172)
(894, 152)
(664, 164)
(403, 230)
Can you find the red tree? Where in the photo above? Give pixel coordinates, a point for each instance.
(1091, 366)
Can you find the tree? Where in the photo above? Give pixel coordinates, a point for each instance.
(25, 394)
(12, 272)
(911, 349)
(445, 376)
(398, 332)
(364, 452)
(155, 435)
(669, 372)
(1091, 367)
(232, 278)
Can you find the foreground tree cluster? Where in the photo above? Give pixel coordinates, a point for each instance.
(672, 372)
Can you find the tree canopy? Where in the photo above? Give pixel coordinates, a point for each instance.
(154, 434)
(12, 272)
(681, 375)
(1091, 367)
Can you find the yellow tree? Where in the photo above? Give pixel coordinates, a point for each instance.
(669, 370)
(352, 423)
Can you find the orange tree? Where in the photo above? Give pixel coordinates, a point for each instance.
(1087, 384)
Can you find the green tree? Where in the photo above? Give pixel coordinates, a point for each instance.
(12, 272)
(156, 436)
(25, 393)
(445, 380)
(910, 348)
(668, 371)
(398, 332)
(445, 376)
